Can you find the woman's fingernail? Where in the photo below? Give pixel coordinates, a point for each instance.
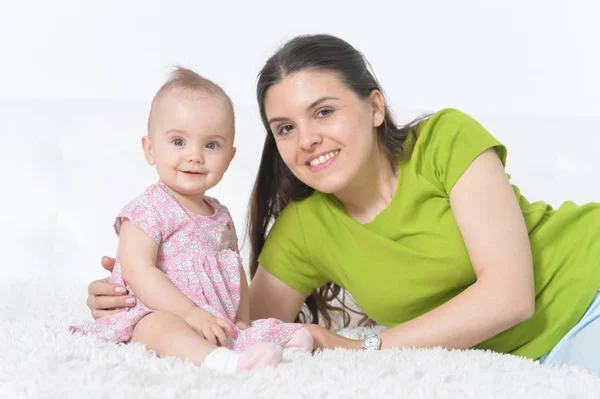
(130, 301)
(120, 290)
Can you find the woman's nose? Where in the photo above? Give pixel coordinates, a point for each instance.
(308, 138)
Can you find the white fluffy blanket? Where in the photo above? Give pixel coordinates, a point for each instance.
(40, 359)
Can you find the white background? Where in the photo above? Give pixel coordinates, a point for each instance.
(77, 77)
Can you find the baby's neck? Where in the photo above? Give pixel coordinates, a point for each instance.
(195, 204)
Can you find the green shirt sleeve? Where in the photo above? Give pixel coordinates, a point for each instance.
(449, 142)
(285, 255)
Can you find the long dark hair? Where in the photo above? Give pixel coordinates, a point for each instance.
(276, 185)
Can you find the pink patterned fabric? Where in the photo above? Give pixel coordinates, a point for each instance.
(199, 255)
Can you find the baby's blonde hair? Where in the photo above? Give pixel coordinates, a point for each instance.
(183, 78)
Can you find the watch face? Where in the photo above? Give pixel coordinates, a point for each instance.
(372, 343)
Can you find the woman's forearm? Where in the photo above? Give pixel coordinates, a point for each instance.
(243, 313)
(473, 316)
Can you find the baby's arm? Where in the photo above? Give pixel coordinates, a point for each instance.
(242, 319)
(138, 251)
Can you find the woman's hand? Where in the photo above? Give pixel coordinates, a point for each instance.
(327, 339)
(105, 298)
(242, 325)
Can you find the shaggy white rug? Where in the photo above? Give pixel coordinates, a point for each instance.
(40, 359)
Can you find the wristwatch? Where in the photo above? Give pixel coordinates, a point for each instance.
(371, 343)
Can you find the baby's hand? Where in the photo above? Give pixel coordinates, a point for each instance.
(214, 329)
(242, 325)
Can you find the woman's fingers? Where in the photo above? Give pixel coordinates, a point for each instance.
(96, 314)
(103, 287)
(104, 295)
(112, 302)
(107, 263)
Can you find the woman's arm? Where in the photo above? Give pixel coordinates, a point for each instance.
(243, 313)
(494, 232)
(493, 229)
(270, 297)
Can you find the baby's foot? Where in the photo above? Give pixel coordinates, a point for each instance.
(301, 341)
(260, 355)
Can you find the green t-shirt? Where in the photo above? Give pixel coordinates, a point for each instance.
(411, 258)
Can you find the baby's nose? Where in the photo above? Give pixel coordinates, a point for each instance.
(196, 155)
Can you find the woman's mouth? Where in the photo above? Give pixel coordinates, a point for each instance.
(323, 161)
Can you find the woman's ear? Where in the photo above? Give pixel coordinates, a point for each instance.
(378, 104)
(148, 152)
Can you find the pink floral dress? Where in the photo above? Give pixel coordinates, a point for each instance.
(199, 255)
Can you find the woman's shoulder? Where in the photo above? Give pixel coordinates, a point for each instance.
(450, 128)
(447, 144)
(447, 118)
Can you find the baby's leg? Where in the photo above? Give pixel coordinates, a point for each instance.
(301, 341)
(169, 335)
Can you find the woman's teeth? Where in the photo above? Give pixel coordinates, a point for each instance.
(323, 158)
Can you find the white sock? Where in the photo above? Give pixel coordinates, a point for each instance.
(222, 359)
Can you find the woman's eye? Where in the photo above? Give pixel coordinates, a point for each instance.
(284, 129)
(324, 113)
(178, 142)
(212, 145)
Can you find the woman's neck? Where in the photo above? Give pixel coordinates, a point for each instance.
(371, 191)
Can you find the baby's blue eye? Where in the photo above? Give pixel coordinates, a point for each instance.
(178, 142)
(212, 145)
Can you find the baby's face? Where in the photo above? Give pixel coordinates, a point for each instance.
(190, 140)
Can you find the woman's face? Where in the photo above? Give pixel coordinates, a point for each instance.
(325, 133)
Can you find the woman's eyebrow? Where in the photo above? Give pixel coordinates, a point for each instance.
(311, 106)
